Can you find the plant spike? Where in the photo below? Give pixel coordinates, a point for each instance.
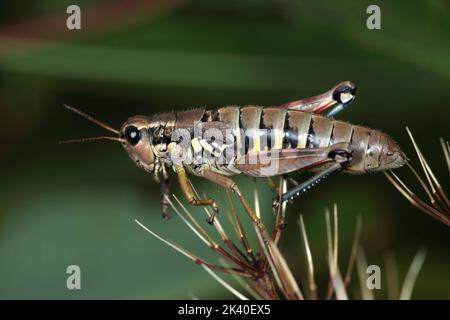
(411, 276)
(309, 261)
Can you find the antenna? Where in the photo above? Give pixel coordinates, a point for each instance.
(92, 139)
(91, 119)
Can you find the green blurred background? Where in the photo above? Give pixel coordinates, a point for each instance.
(75, 204)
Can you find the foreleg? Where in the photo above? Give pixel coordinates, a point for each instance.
(165, 192)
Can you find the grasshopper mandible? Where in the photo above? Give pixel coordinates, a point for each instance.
(255, 141)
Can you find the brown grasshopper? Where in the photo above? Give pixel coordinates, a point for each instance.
(255, 141)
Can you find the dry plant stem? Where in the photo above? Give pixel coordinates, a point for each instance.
(251, 213)
(264, 272)
(240, 231)
(214, 246)
(335, 277)
(361, 266)
(411, 276)
(415, 200)
(258, 213)
(309, 261)
(244, 283)
(335, 284)
(354, 251)
(260, 288)
(446, 149)
(227, 241)
(391, 276)
(257, 271)
(289, 284)
(264, 261)
(352, 257)
(265, 288)
(281, 272)
(256, 199)
(329, 245)
(432, 181)
(225, 284)
(191, 256)
(283, 275)
(336, 238)
(267, 274)
(210, 242)
(439, 207)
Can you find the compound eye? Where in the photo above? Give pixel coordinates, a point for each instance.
(133, 135)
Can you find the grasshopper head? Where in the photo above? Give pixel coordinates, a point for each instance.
(134, 136)
(137, 142)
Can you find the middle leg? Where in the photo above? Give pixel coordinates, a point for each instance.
(230, 185)
(191, 197)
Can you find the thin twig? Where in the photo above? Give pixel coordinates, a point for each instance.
(391, 276)
(225, 284)
(309, 261)
(361, 266)
(354, 251)
(411, 276)
(335, 275)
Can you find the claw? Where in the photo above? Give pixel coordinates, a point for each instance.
(213, 215)
(275, 205)
(166, 215)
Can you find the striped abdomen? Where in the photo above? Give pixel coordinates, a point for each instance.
(256, 129)
(259, 128)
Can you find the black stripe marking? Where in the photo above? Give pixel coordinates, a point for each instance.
(244, 131)
(286, 141)
(266, 134)
(311, 141)
(205, 117)
(291, 135)
(351, 136)
(331, 142)
(215, 116)
(269, 135)
(262, 131)
(261, 120)
(246, 144)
